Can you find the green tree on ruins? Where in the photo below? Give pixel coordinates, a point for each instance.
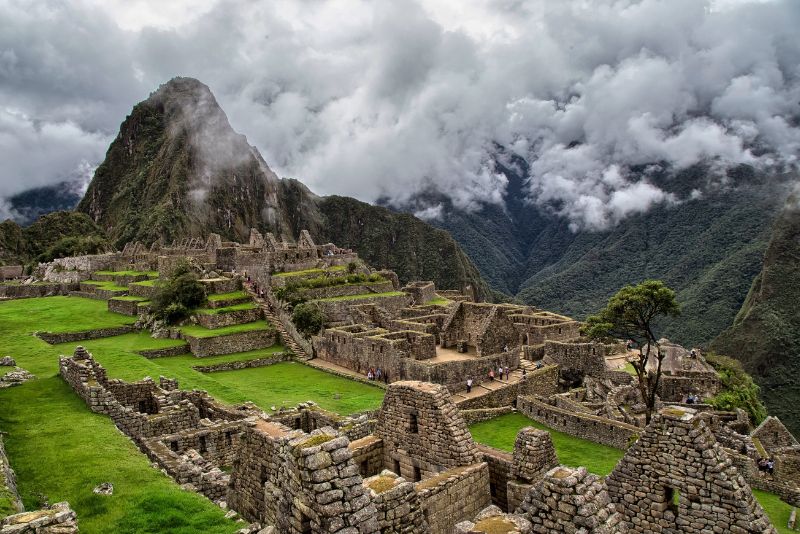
(631, 314)
(309, 318)
(176, 297)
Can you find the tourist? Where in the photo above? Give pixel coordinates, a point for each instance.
(505, 348)
(524, 373)
(693, 354)
(508, 373)
(469, 385)
(491, 374)
(378, 373)
(370, 374)
(770, 466)
(500, 372)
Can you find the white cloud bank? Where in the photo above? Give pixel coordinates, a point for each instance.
(383, 98)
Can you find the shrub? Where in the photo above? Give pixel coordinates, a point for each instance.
(181, 293)
(738, 389)
(308, 318)
(352, 267)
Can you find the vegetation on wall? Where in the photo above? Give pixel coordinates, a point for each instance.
(294, 292)
(309, 318)
(738, 389)
(176, 297)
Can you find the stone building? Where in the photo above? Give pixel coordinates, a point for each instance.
(677, 478)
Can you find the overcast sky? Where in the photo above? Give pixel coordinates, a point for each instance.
(385, 97)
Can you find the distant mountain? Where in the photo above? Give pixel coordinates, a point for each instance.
(31, 204)
(765, 334)
(709, 250)
(177, 168)
(22, 245)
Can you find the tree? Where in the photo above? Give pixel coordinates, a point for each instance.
(631, 314)
(309, 318)
(181, 293)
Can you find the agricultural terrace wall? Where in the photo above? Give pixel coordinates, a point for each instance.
(165, 352)
(345, 290)
(228, 344)
(338, 311)
(124, 307)
(71, 337)
(221, 320)
(221, 285)
(450, 496)
(139, 290)
(38, 289)
(586, 426)
(245, 364)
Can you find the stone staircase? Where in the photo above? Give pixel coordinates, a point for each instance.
(487, 386)
(271, 316)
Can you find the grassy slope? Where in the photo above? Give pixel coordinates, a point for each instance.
(60, 450)
(361, 296)
(501, 432)
(195, 330)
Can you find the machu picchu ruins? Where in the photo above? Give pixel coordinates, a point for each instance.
(442, 363)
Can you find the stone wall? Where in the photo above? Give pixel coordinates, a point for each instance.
(542, 382)
(71, 337)
(677, 475)
(38, 289)
(587, 358)
(676, 388)
(421, 292)
(586, 426)
(8, 272)
(56, 519)
(479, 415)
(397, 504)
(571, 500)
(300, 483)
(165, 352)
(368, 455)
(228, 344)
(344, 290)
(452, 495)
(220, 320)
(8, 481)
(422, 431)
(337, 311)
(144, 291)
(245, 364)
(124, 307)
(500, 467)
(454, 374)
(772, 434)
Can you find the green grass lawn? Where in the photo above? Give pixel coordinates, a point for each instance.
(147, 283)
(777, 510)
(501, 432)
(226, 309)
(111, 286)
(362, 296)
(335, 268)
(151, 274)
(438, 301)
(195, 330)
(226, 296)
(130, 298)
(60, 450)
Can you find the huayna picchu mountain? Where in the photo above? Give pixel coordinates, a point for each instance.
(177, 168)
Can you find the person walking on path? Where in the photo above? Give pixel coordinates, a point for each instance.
(491, 374)
(469, 385)
(500, 372)
(508, 373)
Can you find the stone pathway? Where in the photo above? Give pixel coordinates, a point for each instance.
(491, 386)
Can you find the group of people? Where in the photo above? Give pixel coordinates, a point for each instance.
(500, 372)
(691, 398)
(377, 374)
(766, 465)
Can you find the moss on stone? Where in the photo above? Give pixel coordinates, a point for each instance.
(496, 525)
(313, 441)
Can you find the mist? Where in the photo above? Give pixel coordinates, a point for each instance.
(384, 99)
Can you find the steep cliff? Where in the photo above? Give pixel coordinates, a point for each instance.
(765, 335)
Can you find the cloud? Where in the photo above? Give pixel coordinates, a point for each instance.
(383, 99)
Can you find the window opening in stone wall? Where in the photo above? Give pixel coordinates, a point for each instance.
(229, 438)
(365, 468)
(173, 445)
(413, 424)
(305, 524)
(203, 444)
(397, 467)
(672, 497)
(142, 406)
(417, 473)
(264, 475)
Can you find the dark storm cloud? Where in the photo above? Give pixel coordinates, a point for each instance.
(382, 98)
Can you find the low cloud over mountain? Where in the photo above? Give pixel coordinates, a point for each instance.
(383, 99)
